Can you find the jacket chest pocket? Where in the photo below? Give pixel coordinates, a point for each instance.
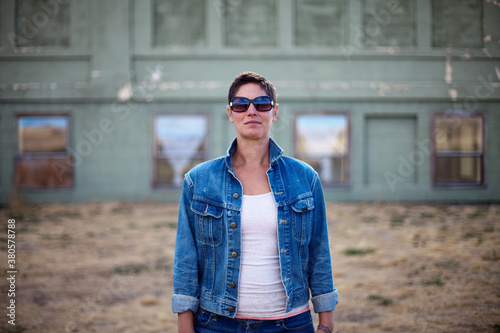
(302, 217)
(208, 223)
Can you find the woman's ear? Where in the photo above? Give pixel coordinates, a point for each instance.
(230, 114)
(275, 112)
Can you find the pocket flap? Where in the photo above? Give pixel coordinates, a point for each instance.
(303, 205)
(206, 209)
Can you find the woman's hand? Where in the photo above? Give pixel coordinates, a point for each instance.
(185, 322)
(326, 319)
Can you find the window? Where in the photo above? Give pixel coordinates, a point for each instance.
(43, 23)
(251, 24)
(43, 160)
(389, 23)
(323, 142)
(179, 23)
(321, 22)
(457, 23)
(458, 140)
(180, 143)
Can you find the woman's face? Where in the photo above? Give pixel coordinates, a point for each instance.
(252, 124)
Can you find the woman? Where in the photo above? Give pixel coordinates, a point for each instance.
(252, 240)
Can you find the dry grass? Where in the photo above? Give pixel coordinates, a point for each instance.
(107, 267)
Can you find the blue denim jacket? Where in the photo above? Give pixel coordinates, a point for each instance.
(208, 244)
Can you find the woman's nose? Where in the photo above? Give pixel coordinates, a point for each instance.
(251, 109)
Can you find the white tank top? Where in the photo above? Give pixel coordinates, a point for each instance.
(261, 291)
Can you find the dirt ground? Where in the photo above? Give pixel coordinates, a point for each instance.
(107, 267)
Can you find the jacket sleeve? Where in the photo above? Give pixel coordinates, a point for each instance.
(324, 295)
(186, 284)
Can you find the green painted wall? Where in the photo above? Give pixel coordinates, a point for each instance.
(384, 66)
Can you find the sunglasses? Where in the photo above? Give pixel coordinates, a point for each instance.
(261, 103)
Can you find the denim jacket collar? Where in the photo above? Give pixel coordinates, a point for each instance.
(275, 152)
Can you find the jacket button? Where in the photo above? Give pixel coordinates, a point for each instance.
(236, 195)
(230, 309)
(234, 254)
(233, 225)
(232, 285)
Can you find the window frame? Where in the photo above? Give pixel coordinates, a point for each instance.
(297, 155)
(156, 155)
(435, 154)
(19, 156)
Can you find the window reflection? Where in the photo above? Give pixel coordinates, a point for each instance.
(43, 161)
(180, 143)
(459, 156)
(322, 141)
(42, 134)
(459, 134)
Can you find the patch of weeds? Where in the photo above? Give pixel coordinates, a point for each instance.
(3, 246)
(496, 328)
(448, 264)
(132, 226)
(16, 215)
(58, 215)
(426, 215)
(14, 329)
(443, 209)
(357, 252)
(471, 235)
(23, 216)
(121, 209)
(370, 219)
(491, 256)
(162, 264)
(418, 241)
(489, 228)
(90, 234)
(380, 300)
(480, 212)
(170, 225)
(417, 223)
(63, 236)
(436, 282)
(397, 219)
(130, 269)
(95, 212)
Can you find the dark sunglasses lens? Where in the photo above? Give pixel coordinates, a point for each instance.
(240, 104)
(263, 104)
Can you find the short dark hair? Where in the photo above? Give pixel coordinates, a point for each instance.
(251, 77)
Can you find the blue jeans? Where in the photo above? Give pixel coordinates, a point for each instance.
(208, 322)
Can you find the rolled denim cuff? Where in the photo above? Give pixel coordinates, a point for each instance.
(183, 303)
(325, 302)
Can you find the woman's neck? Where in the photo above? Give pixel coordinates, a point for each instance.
(251, 153)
